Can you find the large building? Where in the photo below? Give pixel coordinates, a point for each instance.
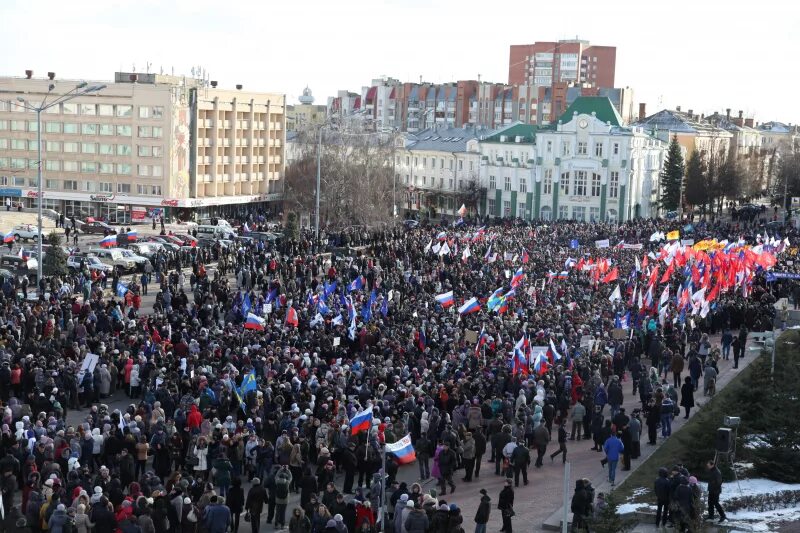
(306, 113)
(692, 130)
(588, 167)
(144, 144)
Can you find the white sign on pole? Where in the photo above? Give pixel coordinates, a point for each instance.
(88, 364)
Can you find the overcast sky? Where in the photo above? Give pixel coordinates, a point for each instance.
(701, 54)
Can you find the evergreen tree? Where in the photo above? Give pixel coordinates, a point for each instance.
(672, 176)
(291, 230)
(55, 261)
(696, 184)
(606, 519)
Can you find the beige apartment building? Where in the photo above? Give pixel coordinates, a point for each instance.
(146, 145)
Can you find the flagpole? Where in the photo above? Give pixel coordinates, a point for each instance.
(383, 488)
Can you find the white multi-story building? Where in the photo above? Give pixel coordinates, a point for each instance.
(145, 143)
(438, 170)
(588, 167)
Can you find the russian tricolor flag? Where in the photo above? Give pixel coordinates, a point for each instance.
(445, 299)
(517, 279)
(254, 322)
(109, 242)
(442, 236)
(131, 235)
(470, 306)
(361, 422)
(403, 450)
(8, 237)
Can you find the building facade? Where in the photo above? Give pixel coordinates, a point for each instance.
(438, 170)
(306, 113)
(588, 167)
(693, 132)
(145, 144)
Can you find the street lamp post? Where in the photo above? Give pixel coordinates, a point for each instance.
(80, 90)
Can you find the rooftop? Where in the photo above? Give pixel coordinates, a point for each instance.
(601, 106)
(526, 131)
(678, 122)
(443, 139)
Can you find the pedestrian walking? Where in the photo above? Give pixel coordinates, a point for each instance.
(505, 504)
(714, 491)
(613, 448)
(562, 442)
(483, 512)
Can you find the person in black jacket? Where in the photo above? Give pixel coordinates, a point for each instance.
(499, 441)
(714, 490)
(582, 504)
(687, 395)
(422, 448)
(662, 490)
(256, 497)
(520, 459)
(483, 512)
(506, 505)
(349, 462)
(235, 502)
(447, 465)
(102, 517)
(480, 449)
(562, 442)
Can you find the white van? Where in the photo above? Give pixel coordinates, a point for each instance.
(215, 232)
(114, 257)
(220, 222)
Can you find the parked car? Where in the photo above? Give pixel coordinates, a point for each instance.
(144, 249)
(19, 266)
(98, 227)
(115, 258)
(25, 232)
(140, 261)
(76, 262)
(171, 246)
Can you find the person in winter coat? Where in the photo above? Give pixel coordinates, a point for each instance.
(677, 367)
(82, 522)
(235, 502)
(615, 395)
(416, 521)
(597, 428)
(709, 379)
(57, 520)
(216, 516)
(468, 454)
(201, 452)
(695, 370)
(576, 416)
(613, 448)
(714, 491)
(687, 395)
(684, 499)
(540, 439)
(505, 504)
(581, 505)
(600, 397)
(283, 480)
(520, 460)
(447, 465)
(102, 516)
(440, 523)
(562, 442)
(667, 412)
(662, 491)
(483, 512)
(398, 511)
(299, 522)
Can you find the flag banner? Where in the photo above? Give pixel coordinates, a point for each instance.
(403, 450)
(361, 421)
(687, 242)
(673, 235)
(627, 246)
(602, 244)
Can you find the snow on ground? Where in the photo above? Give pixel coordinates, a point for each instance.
(761, 521)
(633, 507)
(755, 520)
(750, 487)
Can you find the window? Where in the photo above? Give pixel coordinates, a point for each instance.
(70, 148)
(52, 164)
(549, 147)
(441, 163)
(3, 144)
(89, 148)
(564, 183)
(17, 125)
(506, 208)
(142, 189)
(51, 184)
(490, 207)
(124, 110)
(157, 151)
(507, 185)
(451, 182)
(563, 212)
(106, 168)
(416, 161)
(70, 128)
(32, 125)
(52, 127)
(580, 183)
(124, 131)
(143, 170)
(565, 148)
(90, 186)
(424, 162)
(53, 146)
(89, 129)
(595, 184)
(544, 213)
(19, 163)
(106, 186)
(594, 214)
(144, 112)
(123, 169)
(598, 150)
(521, 209)
(460, 164)
(32, 146)
(492, 182)
(3, 162)
(89, 109)
(19, 144)
(106, 129)
(408, 160)
(106, 149)
(548, 181)
(70, 166)
(18, 181)
(88, 167)
(69, 108)
(70, 185)
(579, 213)
(613, 185)
(3, 125)
(523, 185)
(471, 165)
(33, 182)
(144, 150)
(406, 180)
(158, 111)
(124, 188)
(581, 148)
(616, 149)
(123, 149)
(105, 110)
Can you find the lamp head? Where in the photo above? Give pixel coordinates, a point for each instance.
(81, 85)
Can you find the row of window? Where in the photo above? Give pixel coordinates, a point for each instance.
(102, 187)
(581, 185)
(68, 147)
(581, 149)
(433, 162)
(90, 110)
(564, 213)
(72, 128)
(84, 167)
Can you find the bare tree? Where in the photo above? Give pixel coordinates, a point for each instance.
(356, 178)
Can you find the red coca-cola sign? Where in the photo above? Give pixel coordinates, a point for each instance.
(34, 194)
(169, 203)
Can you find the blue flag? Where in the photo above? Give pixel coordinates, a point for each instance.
(122, 289)
(323, 308)
(573, 244)
(330, 288)
(246, 304)
(385, 307)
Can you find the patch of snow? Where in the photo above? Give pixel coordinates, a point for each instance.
(750, 487)
(633, 507)
(641, 491)
(760, 521)
(753, 442)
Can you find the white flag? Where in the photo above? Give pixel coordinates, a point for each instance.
(466, 254)
(664, 296)
(428, 247)
(616, 295)
(436, 248)
(444, 250)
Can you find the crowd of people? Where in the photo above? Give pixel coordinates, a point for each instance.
(219, 401)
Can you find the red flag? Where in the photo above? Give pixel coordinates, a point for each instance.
(291, 317)
(645, 261)
(524, 257)
(611, 276)
(654, 276)
(667, 274)
(713, 294)
(695, 275)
